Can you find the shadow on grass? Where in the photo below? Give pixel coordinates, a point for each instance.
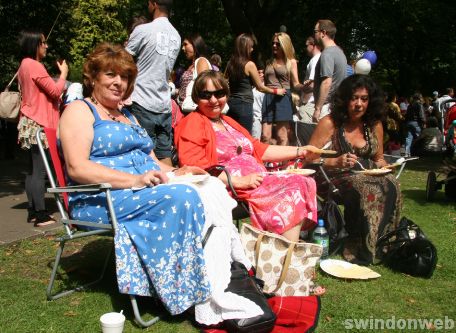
(419, 196)
(85, 264)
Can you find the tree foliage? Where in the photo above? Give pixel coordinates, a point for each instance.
(414, 39)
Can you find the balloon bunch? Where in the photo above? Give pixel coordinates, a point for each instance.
(364, 65)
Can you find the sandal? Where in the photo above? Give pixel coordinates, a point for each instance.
(43, 219)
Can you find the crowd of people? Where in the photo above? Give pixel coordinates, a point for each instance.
(129, 135)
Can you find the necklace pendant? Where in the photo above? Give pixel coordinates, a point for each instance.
(239, 150)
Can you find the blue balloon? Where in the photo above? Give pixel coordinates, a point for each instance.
(371, 56)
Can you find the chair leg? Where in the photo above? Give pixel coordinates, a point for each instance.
(50, 295)
(138, 318)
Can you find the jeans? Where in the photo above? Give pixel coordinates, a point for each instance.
(242, 112)
(413, 131)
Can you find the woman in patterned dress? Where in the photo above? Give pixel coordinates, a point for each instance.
(354, 129)
(158, 243)
(280, 203)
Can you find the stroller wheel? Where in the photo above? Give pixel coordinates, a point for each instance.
(450, 185)
(431, 185)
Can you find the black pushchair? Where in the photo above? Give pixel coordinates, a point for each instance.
(448, 168)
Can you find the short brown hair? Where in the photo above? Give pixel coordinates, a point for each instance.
(113, 57)
(329, 27)
(200, 83)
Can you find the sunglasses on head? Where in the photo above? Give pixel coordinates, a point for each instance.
(208, 94)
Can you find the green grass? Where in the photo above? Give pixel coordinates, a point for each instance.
(25, 269)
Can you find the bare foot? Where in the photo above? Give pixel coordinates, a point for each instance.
(319, 291)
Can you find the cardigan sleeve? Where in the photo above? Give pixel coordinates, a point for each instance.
(194, 142)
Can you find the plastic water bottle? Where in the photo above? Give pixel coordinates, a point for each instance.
(320, 236)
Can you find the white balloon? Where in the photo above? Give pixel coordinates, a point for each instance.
(363, 66)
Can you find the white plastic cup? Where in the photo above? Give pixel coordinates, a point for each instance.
(112, 322)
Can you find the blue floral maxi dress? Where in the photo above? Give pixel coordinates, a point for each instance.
(158, 244)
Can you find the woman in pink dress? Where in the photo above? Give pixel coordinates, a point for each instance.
(283, 203)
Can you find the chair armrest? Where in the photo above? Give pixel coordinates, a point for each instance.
(216, 170)
(80, 188)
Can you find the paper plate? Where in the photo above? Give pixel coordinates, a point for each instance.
(374, 172)
(303, 172)
(189, 179)
(345, 270)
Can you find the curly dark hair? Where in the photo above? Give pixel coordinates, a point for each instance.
(376, 108)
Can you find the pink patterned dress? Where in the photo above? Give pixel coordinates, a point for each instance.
(282, 200)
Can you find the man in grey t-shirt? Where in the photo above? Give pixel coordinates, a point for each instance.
(155, 46)
(330, 70)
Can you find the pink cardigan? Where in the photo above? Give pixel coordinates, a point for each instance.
(40, 94)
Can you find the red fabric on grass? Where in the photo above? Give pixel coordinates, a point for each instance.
(295, 314)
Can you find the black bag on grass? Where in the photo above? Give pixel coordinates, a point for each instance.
(408, 250)
(334, 221)
(247, 286)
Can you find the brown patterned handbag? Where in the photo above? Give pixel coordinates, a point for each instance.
(287, 268)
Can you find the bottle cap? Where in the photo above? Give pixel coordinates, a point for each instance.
(321, 223)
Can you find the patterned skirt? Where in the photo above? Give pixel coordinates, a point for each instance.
(27, 129)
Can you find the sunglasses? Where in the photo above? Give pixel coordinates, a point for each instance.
(208, 94)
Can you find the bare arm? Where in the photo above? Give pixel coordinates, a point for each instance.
(281, 153)
(202, 65)
(324, 91)
(378, 158)
(252, 71)
(76, 125)
(294, 79)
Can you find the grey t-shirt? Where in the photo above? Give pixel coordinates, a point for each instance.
(333, 64)
(155, 46)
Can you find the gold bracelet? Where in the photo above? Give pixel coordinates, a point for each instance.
(297, 151)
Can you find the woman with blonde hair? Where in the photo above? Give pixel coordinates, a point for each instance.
(281, 73)
(242, 74)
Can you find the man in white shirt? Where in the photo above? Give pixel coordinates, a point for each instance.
(307, 108)
(155, 46)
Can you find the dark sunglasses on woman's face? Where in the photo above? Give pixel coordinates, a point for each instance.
(208, 94)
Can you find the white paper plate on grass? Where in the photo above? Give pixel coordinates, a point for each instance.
(345, 270)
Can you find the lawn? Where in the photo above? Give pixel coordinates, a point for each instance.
(25, 269)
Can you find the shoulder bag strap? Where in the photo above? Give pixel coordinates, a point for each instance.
(257, 248)
(286, 264)
(11, 82)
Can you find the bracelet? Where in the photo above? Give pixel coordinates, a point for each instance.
(175, 169)
(274, 91)
(322, 161)
(297, 151)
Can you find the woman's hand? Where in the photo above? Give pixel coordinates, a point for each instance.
(194, 170)
(346, 161)
(151, 178)
(63, 68)
(247, 182)
(281, 92)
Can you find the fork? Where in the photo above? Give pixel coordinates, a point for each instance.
(362, 166)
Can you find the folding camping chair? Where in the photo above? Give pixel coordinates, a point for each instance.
(73, 228)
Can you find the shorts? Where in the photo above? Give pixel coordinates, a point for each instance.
(277, 108)
(158, 126)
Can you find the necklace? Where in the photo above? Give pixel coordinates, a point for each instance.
(94, 101)
(237, 144)
(136, 127)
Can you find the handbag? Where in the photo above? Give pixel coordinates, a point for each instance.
(407, 249)
(249, 287)
(334, 222)
(287, 268)
(10, 102)
(243, 284)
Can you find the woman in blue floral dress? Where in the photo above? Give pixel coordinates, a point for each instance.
(158, 242)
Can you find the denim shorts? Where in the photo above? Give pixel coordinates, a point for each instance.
(277, 108)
